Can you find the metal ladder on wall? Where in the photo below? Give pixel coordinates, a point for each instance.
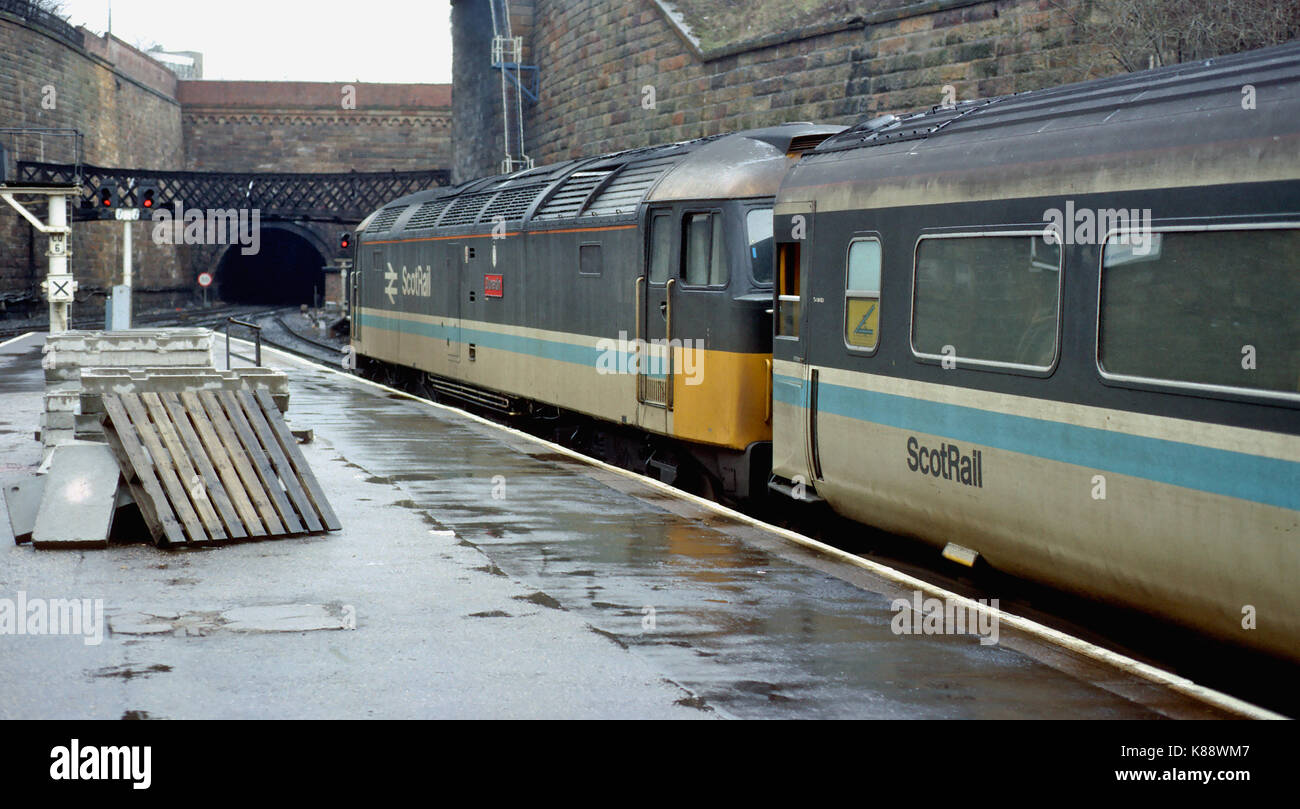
(507, 57)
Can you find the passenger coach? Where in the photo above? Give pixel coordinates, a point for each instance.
(1059, 331)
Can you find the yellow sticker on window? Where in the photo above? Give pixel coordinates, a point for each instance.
(862, 322)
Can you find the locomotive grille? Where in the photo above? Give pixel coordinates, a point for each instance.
(465, 210)
(427, 214)
(627, 190)
(385, 219)
(568, 200)
(512, 203)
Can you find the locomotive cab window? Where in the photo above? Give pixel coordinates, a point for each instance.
(987, 300)
(661, 247)
(1203, 308)
(704, 256)
(758, 227)
(862, 295)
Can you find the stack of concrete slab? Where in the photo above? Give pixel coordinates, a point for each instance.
(67, 354)
(128, 414)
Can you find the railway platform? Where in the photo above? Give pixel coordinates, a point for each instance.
(482, 573)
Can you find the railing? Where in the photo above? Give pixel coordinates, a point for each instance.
(52, 24)
(334, 197)
(257, 342)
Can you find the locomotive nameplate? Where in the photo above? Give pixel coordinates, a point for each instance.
(493, 286)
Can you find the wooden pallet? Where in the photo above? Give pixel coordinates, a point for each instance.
(214, 466)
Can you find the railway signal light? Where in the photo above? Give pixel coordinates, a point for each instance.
(146, 195)
(345, 241)
(106, 196)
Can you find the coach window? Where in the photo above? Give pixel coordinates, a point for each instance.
(704, 258)
(589, 259)
(862, 295)
(661, 247)
(1203, 308)
(758, 227)
(986, 300)
(787, 292)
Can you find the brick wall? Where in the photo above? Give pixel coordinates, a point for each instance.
(855, 59)
(113, 94)
(304, 126)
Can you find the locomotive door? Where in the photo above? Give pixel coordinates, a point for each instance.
(794, 380)
(455, 273)
(654, 315)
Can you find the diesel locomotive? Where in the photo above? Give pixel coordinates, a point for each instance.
(1056, 331)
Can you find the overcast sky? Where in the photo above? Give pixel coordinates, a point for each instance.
(272, 40)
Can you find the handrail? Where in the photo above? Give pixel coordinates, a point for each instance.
(668, 339)
(636, 339)
(257, 342)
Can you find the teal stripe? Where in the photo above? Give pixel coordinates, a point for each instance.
(1234, 474)
(588, 356)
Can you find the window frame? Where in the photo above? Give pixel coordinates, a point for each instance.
(599, 247)
(864, 236)
(682, 249)
(656, 213)
(978, 364)
(1166, 385)
(771, 282)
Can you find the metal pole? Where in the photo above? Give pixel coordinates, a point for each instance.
(126, 270)
(58, 254)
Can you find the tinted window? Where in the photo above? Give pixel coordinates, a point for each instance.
(986, 299)
(1204, 307)
(758, 226)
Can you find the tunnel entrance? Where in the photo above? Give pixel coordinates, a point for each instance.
(286, 270)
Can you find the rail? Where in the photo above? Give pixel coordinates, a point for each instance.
(257, 342)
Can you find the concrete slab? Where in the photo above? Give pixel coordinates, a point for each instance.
(80, 498)
(23, 501)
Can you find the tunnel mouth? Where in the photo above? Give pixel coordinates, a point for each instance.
(286, 269)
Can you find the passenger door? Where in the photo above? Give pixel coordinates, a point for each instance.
(654, 290)
(794, 382)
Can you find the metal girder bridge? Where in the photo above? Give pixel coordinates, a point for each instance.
(339, 197)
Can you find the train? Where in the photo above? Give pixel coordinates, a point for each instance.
(1055, 332)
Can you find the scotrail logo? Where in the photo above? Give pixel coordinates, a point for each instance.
(78, 617)
(654, 357)
(947, 616)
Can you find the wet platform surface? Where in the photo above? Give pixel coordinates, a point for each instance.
(489, 576)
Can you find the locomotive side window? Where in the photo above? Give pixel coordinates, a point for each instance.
(758, 226)
(704, 259)
(862, 295)
(1203, 307)
(986, 300)
(589, 259)
(661, 247)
